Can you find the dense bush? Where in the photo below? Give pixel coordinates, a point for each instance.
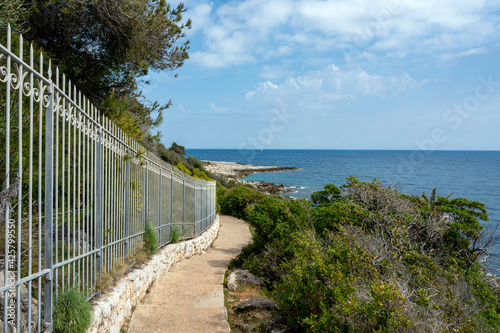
(366, 258)
(331, 217)
(274, 217)
(237, 199)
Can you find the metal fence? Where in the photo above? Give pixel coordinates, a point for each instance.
(77, 192)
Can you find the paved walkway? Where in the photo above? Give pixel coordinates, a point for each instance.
(191, 297)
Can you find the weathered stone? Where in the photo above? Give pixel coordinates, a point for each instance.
(241, 277)
(258, 302)
(278, 324)
(243, 327)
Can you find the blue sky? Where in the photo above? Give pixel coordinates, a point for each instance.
(358, 74)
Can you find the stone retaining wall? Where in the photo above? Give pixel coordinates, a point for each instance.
(114, 308)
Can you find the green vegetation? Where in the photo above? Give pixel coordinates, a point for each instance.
(175, 235)
(72, 313)
(366, 258)
(150, 239)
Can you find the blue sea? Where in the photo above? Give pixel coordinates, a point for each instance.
(474, 175)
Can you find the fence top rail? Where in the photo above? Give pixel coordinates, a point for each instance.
(14, 58)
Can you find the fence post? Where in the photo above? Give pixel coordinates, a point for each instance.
(201, 210)
(146, 213)
(159, 208)
(194, 205)
(207, 205)
(171, 202)
(127, 208)
(49, 209)
(98, 200)
(183, 203)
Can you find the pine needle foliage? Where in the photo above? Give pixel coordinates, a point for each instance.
(72, 312)
(150, 239)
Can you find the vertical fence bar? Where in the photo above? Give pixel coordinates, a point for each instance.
(171, 201)
(40, 162)
(194, 205)
(49, 196)
(20, 175)
(183, 205)
(159, 206)
(7, 178)
(98, 199)
(127, 213)
(30, 187)
(146, 190)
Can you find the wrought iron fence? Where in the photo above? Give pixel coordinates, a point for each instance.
(77, 192)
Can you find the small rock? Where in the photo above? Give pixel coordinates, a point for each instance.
(241, 277)
(259, 302)
(278, 325)
(243, 327)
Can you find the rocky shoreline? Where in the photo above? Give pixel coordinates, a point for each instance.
(235, 171)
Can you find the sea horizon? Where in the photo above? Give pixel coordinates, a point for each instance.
(473, 174)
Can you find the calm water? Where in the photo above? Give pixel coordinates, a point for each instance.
(474, 175)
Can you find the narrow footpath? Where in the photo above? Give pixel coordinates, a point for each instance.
(191, 298)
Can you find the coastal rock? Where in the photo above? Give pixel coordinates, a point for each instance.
(241, 277)
(237, 170)
(234, 171)
(270, 188)
(258, 302)
(278, 324)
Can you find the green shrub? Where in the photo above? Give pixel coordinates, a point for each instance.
(150, 239)
(331, 217)
(236, 200)
(175, 235)
(330, 194)
(72, 312)
(275, 217)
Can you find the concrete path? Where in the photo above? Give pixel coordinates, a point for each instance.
(191, 297)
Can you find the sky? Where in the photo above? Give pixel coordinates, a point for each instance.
(337, 74)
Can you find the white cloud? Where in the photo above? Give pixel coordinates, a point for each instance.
(200, 16)
(239, 32)
(320, 89)
(448, 56)
(274, 72)
(215, 109)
